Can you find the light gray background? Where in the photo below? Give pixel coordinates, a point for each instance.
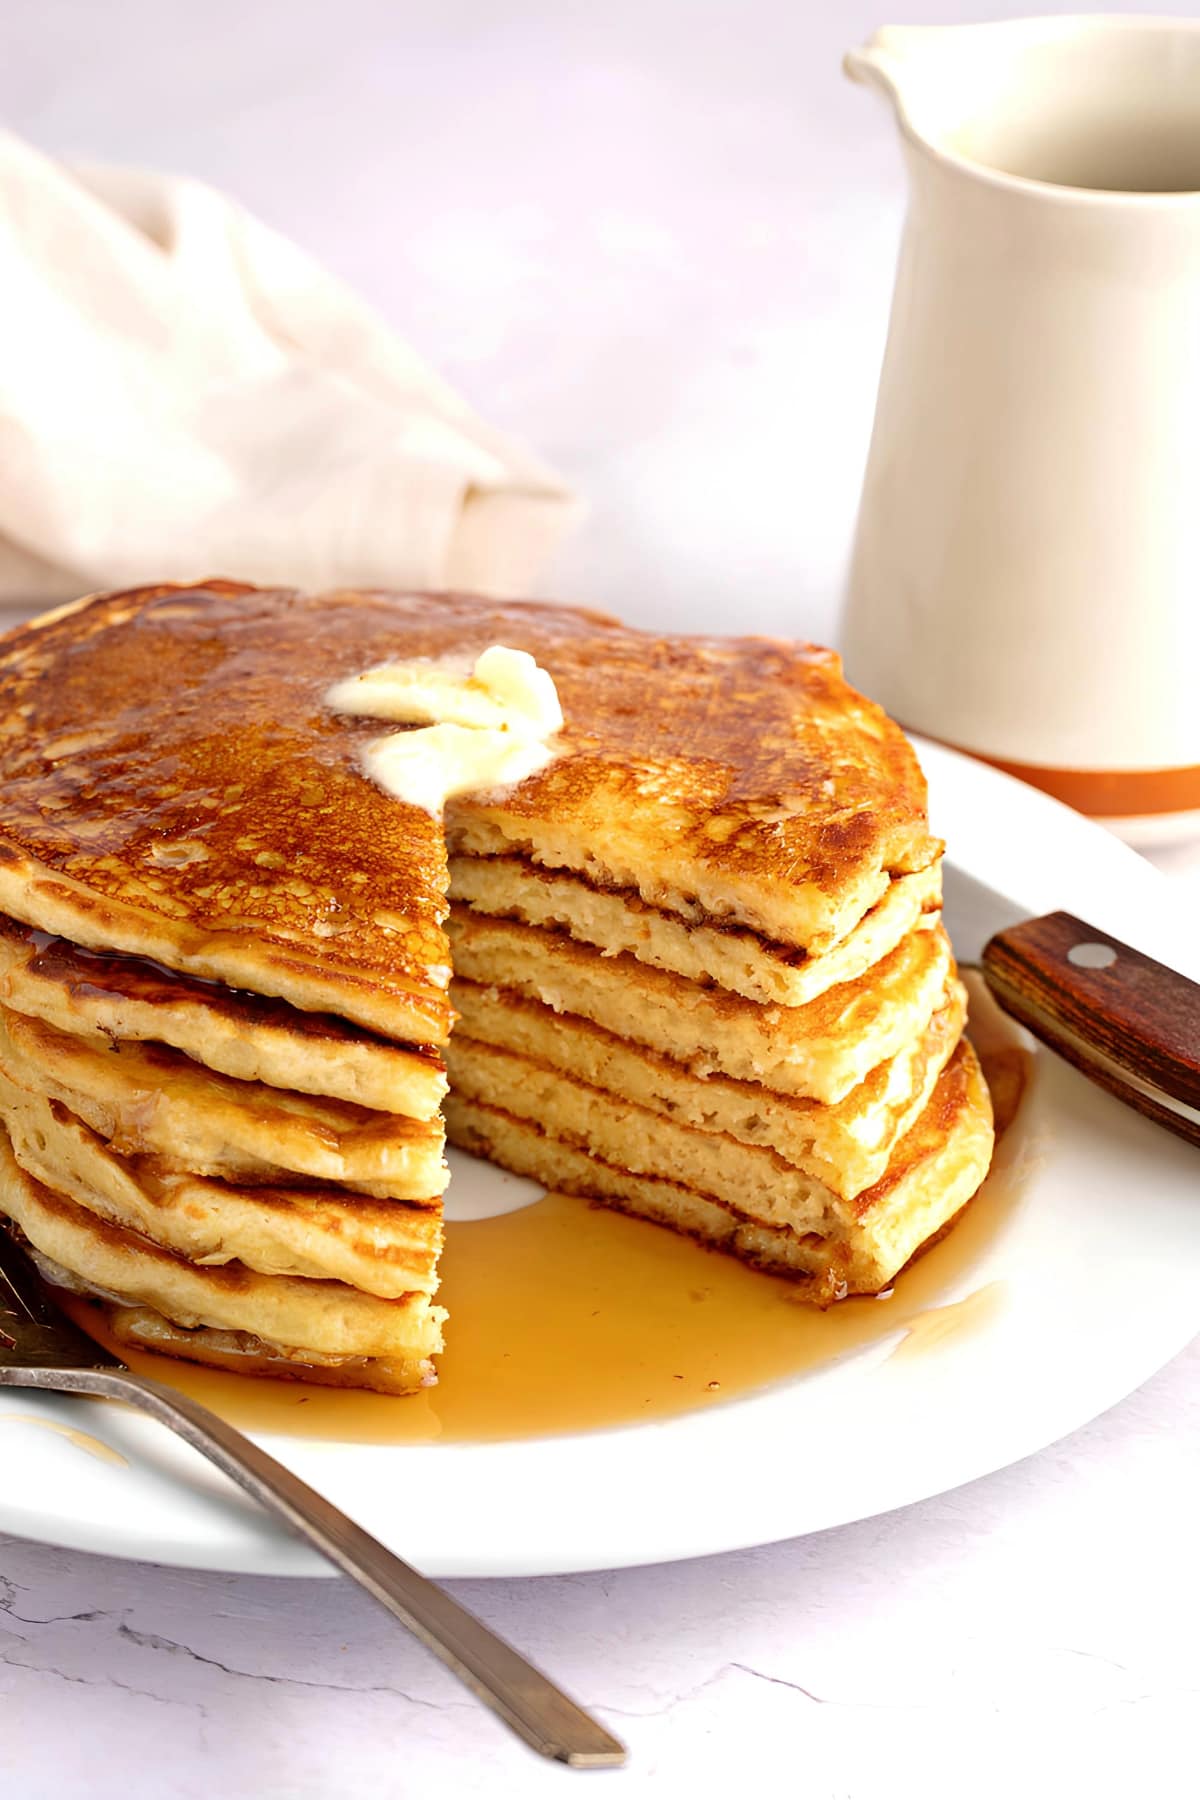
(656, 239)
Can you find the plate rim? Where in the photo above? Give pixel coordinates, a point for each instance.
(982, 814)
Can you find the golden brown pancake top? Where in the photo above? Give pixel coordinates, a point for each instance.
(168, 750)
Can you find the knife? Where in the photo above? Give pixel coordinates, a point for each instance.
(1127, 1022)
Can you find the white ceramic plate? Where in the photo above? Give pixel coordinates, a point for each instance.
(1098, 1266)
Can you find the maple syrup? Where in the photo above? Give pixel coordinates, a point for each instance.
(570, 1317)
(932, 1327)
(82, 1440)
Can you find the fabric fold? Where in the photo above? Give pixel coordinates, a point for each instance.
(187, 393)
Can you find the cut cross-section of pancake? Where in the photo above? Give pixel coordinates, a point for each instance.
(243, 1353)
(642, 1139)
(243, 1035)
(632, 1137)
(697, 954)
(146, 1099)
(299, 1318)
(935, 1170)
(821, 1050)
(720, 955)
(847, 1146)
(383, 1247)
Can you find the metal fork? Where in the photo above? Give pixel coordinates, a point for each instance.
(40, 1347)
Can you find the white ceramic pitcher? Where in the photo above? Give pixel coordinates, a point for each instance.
(1026, 575)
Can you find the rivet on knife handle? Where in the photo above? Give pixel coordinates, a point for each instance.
(1128, 1022)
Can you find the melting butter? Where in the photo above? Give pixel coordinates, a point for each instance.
(432, 765)
(475, 727)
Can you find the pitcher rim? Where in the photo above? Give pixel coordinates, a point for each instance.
(858, 65)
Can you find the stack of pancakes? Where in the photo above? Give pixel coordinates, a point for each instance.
(244, 1183)
(698, 968)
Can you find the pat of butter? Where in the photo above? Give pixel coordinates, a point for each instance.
(430, 766)
(506, 689)
(479, 728)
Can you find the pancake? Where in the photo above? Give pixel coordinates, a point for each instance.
(752, 1178)
(378, 1247)
(241, 1353)
(723, 956)
(173, 788)
(146, 1099)
(698, 954)
(172, 785)
(755, 1180)
(124, 998)
(846, 1146)
(936, 1169)
(821, 1050)
(326, 1317)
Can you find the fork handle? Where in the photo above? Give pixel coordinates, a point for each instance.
(548, 1720)
(1128, 1022)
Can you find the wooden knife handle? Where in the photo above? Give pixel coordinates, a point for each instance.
(1126, 1021)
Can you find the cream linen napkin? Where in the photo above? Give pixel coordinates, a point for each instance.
(185, 393)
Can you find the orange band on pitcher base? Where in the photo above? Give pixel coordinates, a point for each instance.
(1109, 793)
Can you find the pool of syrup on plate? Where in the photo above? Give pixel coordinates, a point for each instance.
(567, 1317)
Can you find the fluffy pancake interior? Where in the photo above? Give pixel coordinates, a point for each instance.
(241, 1353)
(631, 1137)
(846, 1146)
(937, 1168)
(238, 1034)
(822, 1050)
(388, 1248)
(328, 1317)
(145, 1098)
(724, 956)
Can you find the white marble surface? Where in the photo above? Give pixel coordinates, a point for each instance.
(656, 238)
(1033, 1632)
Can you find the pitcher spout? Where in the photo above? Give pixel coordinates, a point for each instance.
(889, 59)
(1098, 103)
